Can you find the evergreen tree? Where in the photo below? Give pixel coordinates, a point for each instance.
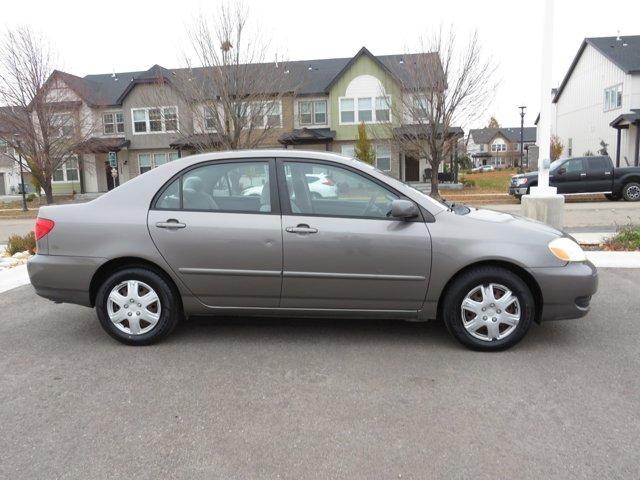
(493, 123)
(363, 149)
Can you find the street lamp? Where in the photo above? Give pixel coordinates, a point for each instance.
(24, 197)
(522, 109)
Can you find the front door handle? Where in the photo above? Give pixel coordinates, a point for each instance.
(303, 228)
(171, 224)
(583, 174)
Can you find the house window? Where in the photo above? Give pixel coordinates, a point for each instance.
(148, 161)
(348, 150)
(62, 124)
(498, 146)
(613, 97)
(68, 171)
(482, 147)
(370, 110)
(347, 114)
(312, 112)
(5, 148)
(364, 110)
(420, 108)
(570, 147)
(383, 158)
(209, 119)
(113, 122)
(155, 120)
(382, 109)
(273, 114)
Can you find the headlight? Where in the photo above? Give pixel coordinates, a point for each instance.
(521, 181)
(567, 250)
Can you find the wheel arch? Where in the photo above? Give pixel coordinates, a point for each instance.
(120, 263)
(512, 267)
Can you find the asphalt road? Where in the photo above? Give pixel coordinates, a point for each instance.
(255, 398)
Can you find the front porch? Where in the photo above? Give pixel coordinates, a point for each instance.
(97, 168)
(627, 139)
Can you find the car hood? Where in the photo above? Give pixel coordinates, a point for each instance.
(529, 175)
(513, 221)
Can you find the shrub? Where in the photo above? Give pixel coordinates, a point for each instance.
(627, 238)
(19, 243)
(467, 182)
(31, 197)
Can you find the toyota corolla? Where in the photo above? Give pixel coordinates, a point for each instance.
(185, 239)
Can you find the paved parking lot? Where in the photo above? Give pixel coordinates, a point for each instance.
(252, 398)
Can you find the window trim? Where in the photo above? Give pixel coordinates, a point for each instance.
(63, 167)
(148, 122)
(356, 116)
(613, 89)
(115, 123)
(273, 187)
(286, 205)
(153, 161)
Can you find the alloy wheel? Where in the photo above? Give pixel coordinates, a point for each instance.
(490, 312)
(133, 307)
(633, 192)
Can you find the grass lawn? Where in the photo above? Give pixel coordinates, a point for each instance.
(489, 182)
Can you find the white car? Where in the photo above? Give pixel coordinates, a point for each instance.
(484, 168)
(320, 186)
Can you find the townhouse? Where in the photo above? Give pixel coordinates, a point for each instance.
(500, 147)
(328, 99)
(599, 100)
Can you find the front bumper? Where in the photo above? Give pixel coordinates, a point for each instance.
(566, 291)
(518, 191)
(63, 278)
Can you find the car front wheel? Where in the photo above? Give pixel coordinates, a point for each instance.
(488, 308)
(137, 306)
(631, 192)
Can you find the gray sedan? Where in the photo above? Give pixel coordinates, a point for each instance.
(182, 240)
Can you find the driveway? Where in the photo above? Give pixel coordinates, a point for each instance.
(291, 399)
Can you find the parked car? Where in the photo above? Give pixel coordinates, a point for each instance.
(172, 243)
(320, 186)
(483, 168)
(585, 175)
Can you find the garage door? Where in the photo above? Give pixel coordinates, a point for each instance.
(2, 190)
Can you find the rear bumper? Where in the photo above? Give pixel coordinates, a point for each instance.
(566, 291)
(63, 278)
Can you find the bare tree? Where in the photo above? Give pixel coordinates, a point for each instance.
(41, 121)
(231, 93)
(438, 93)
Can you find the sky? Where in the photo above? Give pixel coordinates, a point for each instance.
(98, 37)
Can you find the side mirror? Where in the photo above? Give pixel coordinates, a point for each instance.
(404, 209)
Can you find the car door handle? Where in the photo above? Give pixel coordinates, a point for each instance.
(171, 224)
(607, 173)
(583, 174)
(302, 228)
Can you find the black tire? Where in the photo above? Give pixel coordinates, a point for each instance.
(631, 192)
(170, 311)
(465, 283)
(611, 197)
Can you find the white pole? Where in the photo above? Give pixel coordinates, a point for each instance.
(544, 125)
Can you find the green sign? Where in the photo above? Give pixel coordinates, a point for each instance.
(113, 159)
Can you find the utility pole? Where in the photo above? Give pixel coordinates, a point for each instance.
(24, 197)
(522, 109)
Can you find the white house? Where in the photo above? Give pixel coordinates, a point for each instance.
(599, 100)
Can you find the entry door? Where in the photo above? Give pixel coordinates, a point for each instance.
(570, 176)
(411, 169)
(341, 251)
(219, 228)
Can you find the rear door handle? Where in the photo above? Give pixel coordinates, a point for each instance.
(303, 228)
(583, 174)
(171, 224)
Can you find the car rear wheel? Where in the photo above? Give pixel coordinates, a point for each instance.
(631, 192)
(488, 308)
(137, 306)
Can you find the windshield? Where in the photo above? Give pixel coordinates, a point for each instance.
(555, 164)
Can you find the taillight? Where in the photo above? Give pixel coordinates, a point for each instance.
(327, 181)
(43, 227)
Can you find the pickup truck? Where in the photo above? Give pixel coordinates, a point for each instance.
(584, 175)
